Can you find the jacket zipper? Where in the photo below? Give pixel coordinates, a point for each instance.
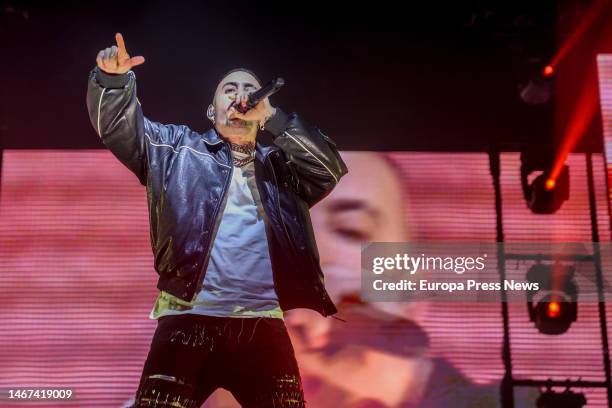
(213, 232)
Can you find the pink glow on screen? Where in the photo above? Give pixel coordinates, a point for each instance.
(77, 277)
(604, 68)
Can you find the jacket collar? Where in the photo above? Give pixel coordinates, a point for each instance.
(211, 137)
(262, 152)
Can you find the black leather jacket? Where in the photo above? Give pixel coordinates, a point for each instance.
(187, 175)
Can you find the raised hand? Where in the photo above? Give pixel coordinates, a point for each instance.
(116, 60)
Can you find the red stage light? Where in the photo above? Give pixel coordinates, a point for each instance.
(550, 184)
(548, 71)
(553, 310)
(587, 20)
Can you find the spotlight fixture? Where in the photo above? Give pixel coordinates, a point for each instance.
(556, 306)
(565, 399)
(539, 86)
(544, 195)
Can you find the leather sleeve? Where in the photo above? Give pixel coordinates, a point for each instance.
(312, 155)
(116, 115)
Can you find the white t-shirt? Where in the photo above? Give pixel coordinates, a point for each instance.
(238, 281)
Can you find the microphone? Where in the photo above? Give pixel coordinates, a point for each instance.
(270, 88)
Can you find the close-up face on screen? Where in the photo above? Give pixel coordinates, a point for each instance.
(306, 205)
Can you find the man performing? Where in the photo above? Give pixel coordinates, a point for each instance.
(231, 235)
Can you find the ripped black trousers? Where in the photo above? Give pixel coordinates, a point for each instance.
(192, 355)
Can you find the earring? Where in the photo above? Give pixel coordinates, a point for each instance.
(210, 113)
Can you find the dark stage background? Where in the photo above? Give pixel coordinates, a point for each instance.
(376, 76)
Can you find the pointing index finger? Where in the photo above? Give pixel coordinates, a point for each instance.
(121, 45)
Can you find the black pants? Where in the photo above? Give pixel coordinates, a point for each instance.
(192, 355)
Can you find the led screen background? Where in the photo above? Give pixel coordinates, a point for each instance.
(78, 283)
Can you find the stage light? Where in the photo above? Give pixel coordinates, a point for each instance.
(553, 310)
(548, 71)
(555, 306)
(539, 87)
(565, 399)
(544, 195)
(553, 316)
